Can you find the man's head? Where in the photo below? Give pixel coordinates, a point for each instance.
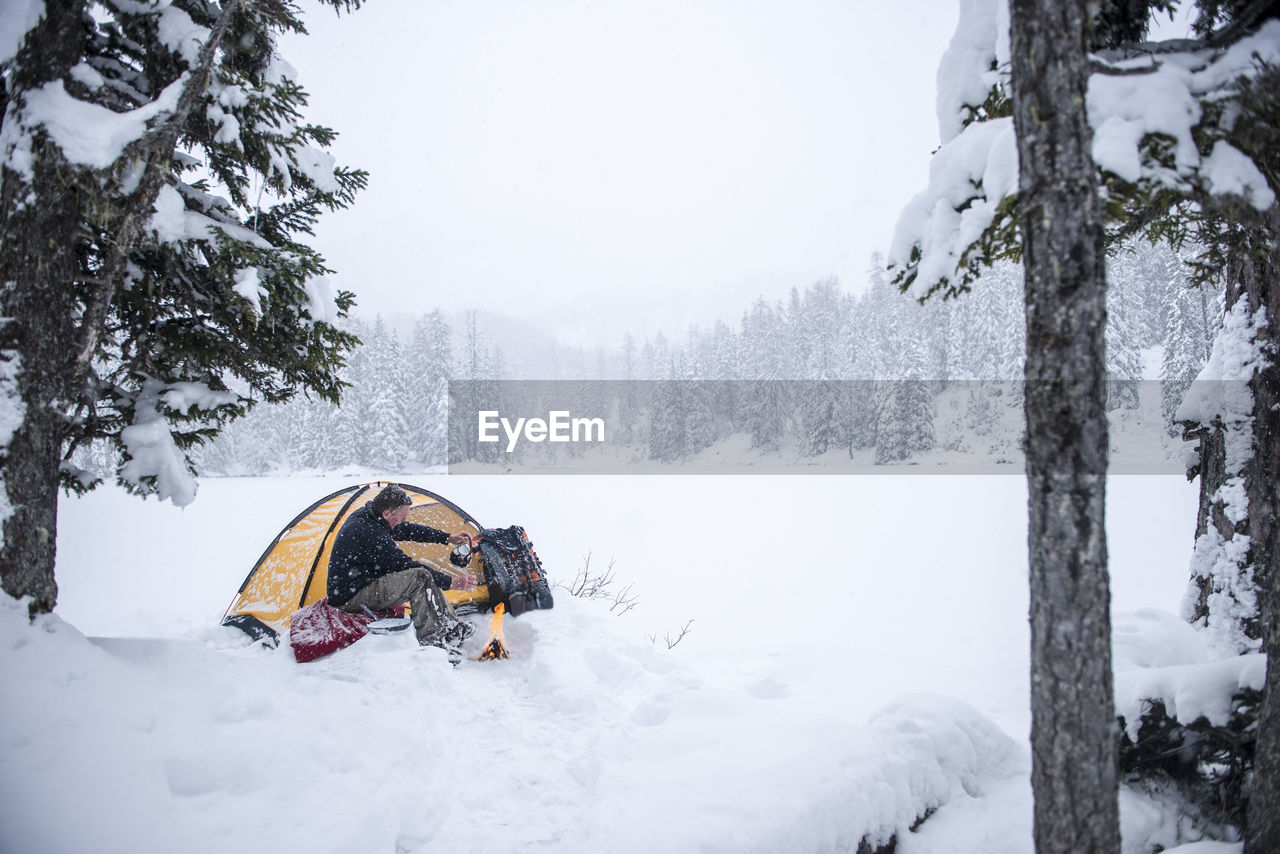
(392, 504)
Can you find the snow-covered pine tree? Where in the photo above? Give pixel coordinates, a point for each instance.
(629, 396)
(471, 395)
(667, 432)
(430, 359)
(384, 421)
(765, 400)
(1126, 330)
(821, 426)
(314, 440)
(158, 188)
(700, 417)
(858, 404)
(1189, 328)
(906, 417)
(726, 370)
(821, 416)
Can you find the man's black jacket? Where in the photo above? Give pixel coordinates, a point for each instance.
(365, 550)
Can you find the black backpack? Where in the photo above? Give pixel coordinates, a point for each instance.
(513, 571)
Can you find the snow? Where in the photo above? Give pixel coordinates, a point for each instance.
(173, 222)
(183, 396)
(1150, 637)
(1126, 108)
(320, 300)
(1207, 847)
(169, 220)
(1189, 691)
(965, 74)
(153, 454)
(180, 34)
(824, 693)
(318, 166)
(227, 97)
(19, 17)
(1160, 657)
(88, 134)
(12, 411)
(247, 286)
(1221, 390)
(1221, 394)
(88, 75)
(968, 178)
(1229, 171)
(228, 125)
(1232, 598)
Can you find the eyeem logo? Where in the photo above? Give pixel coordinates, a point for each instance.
(557, 427)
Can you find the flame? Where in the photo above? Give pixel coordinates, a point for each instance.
(494, 646)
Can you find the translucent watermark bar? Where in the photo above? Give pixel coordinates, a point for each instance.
(797, 426)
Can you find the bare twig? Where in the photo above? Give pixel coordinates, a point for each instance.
(599, 585)
(670, 641)
(624, 600)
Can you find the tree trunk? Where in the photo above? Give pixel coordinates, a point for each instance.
(41, 265)
(55, 318)
(39, 259)
(1214, 598)
(1262, 834)
(1073, 730)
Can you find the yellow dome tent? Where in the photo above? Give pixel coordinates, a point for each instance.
(293, 571)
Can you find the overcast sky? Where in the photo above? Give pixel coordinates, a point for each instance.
(620, 164)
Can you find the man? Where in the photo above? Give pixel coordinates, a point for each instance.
(368, 570)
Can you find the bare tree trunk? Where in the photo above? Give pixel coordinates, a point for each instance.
(1074, 770)
(42, 304)
(39, 258)
(1262, 833)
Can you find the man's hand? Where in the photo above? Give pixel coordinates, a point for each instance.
(463, 582)
(460, 538)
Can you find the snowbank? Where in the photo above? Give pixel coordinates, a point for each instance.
(586, 739)
(748, 736)
(1160, 657)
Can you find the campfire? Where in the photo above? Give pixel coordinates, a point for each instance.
(494, 647)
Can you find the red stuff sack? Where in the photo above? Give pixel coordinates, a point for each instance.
(319, 629)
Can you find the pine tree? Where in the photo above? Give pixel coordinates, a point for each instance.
(905, 426)
(667, 431)
(764, 402)
(697, 398)
(430, 354)
(820, 423)
(1183, 347)
(160, 284)
(1126, 331)
(385, 422)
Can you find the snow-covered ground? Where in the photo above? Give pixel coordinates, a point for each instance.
(858, 652)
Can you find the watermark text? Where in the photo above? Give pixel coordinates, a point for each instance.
(558, 426)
